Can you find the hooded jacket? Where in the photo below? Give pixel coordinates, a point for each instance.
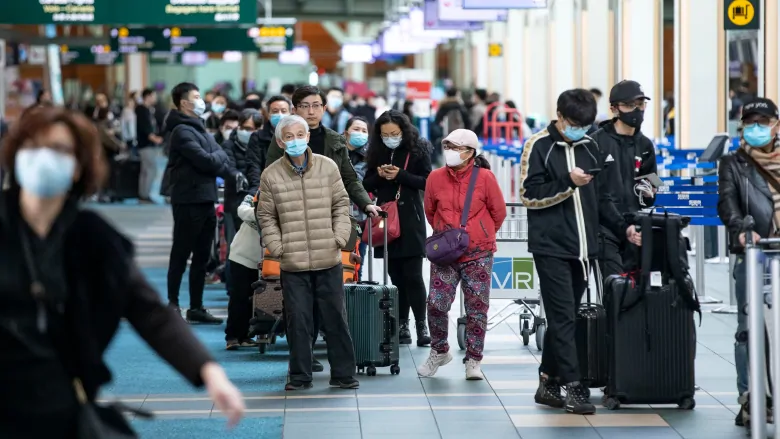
(257, 150)
(238, 157)
(195, 161)
(563, 219)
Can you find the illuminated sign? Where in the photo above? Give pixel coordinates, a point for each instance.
(178, 39)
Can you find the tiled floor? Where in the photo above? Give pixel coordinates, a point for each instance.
(406, 406)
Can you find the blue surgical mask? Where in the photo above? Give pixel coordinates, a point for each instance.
(199, 107)
(275, 118)
(392, 142)
(44, 172)
(335, 103)
(296, 147)
(243, 136)
(358, 140)
(574, 134)
(217, 108)
(757, 135)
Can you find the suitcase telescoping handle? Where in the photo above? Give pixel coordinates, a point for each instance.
(383, 215)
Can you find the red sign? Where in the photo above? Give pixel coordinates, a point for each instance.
(418, 90)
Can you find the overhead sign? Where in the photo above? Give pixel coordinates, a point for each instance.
(432, 21)
(418, 90)
(504, 4)
(95, 55)
(742, 15)
(269, 39)
(452, 10)
(126, 12)
(495, 50)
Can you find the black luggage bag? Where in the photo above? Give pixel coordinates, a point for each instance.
(591, 339)
(372, 314)
(651, 336)
(123, 182)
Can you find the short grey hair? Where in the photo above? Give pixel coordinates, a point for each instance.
(288, 121)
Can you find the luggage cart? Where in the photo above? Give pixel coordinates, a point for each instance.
(529, 309)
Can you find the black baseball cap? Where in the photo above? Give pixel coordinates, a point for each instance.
(761, 106)
(626, 91)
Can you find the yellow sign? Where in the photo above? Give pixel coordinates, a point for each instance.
(64, 48)
(124, 32)
(741, 12)
(495, 50)
(175, 32)
(271, 32)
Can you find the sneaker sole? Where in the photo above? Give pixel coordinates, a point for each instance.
(557, 405)
(581, 412)
(345, 386)
(294, 388)
(200, 322)
(232, 348)
(405, 341)
(433, 372)
(475, 378)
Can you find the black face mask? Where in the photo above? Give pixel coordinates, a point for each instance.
(633, 119)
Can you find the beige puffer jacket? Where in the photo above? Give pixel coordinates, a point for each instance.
(305, 220)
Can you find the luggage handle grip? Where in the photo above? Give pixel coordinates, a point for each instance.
(393, 324)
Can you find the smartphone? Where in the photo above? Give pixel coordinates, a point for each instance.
(654, 179)
(594, 172)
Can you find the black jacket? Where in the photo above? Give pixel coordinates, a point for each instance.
(92, 283)
(624, 151)
(411, 243)
(237, 154)
(564, 220)
(256, 154)
(741, 192)
(195, 161)
(146, 125)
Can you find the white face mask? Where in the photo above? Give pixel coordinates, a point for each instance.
(226, 134)
(452, 158)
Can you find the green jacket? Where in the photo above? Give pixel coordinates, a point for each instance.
(336, 150)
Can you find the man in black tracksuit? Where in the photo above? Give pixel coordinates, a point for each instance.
(630, 154)
(566, 207)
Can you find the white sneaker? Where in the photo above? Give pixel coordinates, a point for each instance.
(473, 371)
(432, 364)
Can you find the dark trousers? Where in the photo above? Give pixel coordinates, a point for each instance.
(301, 291)
(240, 279)
(406, 274)
(562, 284)
(616, 258)
(193, 234)
(232, 223)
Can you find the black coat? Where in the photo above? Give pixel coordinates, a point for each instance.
(257, 150)
(239, 160)
(741, 192)
(411, 243)
(195, 161)
(99, 285)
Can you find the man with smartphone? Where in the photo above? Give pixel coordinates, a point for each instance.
(631, 174)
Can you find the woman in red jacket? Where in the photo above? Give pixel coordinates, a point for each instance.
(445, 194)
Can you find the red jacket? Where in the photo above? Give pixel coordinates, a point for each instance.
(445, 194)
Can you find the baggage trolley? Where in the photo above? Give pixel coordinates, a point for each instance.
(529, 309)
(763, 362)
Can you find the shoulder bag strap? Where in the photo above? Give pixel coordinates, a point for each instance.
(398, 194)
(690, 298)
(764, 173)
(464, 217)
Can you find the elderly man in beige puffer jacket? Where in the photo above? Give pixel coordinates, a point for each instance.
(303, 211)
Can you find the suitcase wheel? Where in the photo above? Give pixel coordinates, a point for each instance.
(462, 336)
(371, 371)
(540, 330)
(611, 403)
(687, 404)
(395, 369)
(525, 331)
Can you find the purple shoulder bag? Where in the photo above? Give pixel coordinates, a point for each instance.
(446, 247)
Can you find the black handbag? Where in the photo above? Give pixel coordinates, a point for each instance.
(94, 421)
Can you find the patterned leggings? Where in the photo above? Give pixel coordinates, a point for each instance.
(474, 277)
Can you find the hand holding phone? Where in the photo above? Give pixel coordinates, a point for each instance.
(593, 172)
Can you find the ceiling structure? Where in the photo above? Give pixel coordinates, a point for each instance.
(321, 10)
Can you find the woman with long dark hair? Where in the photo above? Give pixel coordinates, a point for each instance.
(399, 162)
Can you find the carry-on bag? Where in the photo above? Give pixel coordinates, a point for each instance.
(372, 313)
(651, 336)
(591, 339)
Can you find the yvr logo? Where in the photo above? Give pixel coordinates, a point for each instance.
(513, 274)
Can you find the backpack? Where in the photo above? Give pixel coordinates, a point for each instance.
(453, 120)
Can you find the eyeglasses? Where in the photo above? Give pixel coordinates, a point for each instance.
(389, 136)
(451, 147)
(305, 107)
(631, 106)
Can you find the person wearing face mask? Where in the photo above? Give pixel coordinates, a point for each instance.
(566, 208)
(357, 144)
(68, 279)
(398, 165)
(632, 155)
(195, 161)
(214, 112)
(307, 238)
(749, 184)
(445, 198)
(236, 147)
(337, 115)
(260, 141)
(227, 124)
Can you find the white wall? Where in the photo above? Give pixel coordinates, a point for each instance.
(515, 70)
(537, 66)
(596, 71)
(639, 56)
(563, 62)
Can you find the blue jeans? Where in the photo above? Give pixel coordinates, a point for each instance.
(740, 343)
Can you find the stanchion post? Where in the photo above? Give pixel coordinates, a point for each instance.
(775, 363)
(722, 252)
(756, 353)
(732, 307)
(698, 238)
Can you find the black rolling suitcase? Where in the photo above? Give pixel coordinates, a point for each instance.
(123, 182)
(591, 339)
(651, 335)
(372, 314)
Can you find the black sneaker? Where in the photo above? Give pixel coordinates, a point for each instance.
(298, 385)
(577, 401)
(549, 393)
(316, 366)
(202, 316)
(404, 336)
(345, 383)
(423, 337)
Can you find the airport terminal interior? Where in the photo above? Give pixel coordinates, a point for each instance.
(698, 63)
